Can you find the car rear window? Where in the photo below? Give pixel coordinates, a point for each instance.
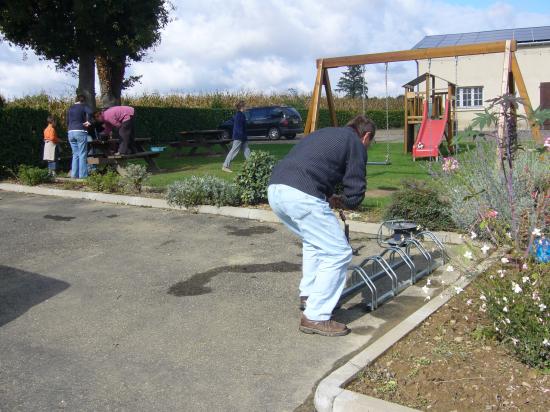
(290, 111)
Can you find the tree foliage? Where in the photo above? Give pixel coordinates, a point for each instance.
(353, 83)
(114, 31)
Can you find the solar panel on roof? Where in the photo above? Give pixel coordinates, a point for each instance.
(521, 35)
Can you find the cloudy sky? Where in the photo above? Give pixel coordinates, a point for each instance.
(271, 45)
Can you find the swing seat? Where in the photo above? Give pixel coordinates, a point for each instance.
(431, 134)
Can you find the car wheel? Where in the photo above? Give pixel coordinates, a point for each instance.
(226, 135)
(273, 134)
(290, 136)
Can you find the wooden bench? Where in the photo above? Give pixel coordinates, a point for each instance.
(194, 139)
(121, 161)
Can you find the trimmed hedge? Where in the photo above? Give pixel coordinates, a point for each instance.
(21, 128)
(21, 132)
(161, 124)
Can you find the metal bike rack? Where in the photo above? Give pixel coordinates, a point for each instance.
(363, 277)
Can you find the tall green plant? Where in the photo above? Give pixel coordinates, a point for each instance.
(252, 181)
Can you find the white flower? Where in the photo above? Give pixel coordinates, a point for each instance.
(508, 235)
(485, 248)
(505, 299)
(473, 235)
(501, 272)
(525, 279)
(515, 341)
(505, 260)
(516, 288)
(469, 302)
(535, 295)
(542, 307)
(428, 282)
(536, 232)
(545, 342)
(427, 298)
(491, 276)
(505, 309)
(450, 268)
(425, 289)
(482, 297)
(507, 321)
(458, 289)
(497, 329)
(468, 254)
(524, 267)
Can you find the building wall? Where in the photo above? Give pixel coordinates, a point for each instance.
(486, 71)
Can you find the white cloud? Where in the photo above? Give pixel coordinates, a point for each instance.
(272, 45)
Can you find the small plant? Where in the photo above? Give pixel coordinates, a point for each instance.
(203, 190)
(32, 176)
(252, 181)
(135, 177)
(422, 204)
(108, 182)
(518, 303)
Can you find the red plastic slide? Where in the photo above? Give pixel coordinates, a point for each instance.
(430, 134)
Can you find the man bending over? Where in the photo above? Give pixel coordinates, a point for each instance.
(301, 193)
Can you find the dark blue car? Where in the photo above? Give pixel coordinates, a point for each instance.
(269, 121)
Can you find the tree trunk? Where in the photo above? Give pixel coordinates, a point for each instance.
(111, 76)
(86, 77)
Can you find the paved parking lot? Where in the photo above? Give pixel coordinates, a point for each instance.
(106, 307)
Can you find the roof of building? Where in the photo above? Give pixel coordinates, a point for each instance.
(523, 35)
(422, 78)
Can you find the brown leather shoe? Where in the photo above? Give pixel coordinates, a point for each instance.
(323, 327)
(303, 301)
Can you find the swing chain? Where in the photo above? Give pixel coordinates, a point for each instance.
(387, 105)
(363, 91)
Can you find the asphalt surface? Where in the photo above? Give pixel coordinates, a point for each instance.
(106, 307)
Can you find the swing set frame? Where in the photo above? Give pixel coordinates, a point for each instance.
(511, 76)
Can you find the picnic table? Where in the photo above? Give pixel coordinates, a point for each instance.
(200, 138)
(103, 153)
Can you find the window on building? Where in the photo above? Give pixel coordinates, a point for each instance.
(470, 96)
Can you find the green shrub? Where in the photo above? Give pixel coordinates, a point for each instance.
(254, 177)
(107, 182)
(32, 176)
(21, 136)
(135, 177)
(518, 303)
(419, 202)
(202, 190)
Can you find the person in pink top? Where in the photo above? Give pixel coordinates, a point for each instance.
(122, 119)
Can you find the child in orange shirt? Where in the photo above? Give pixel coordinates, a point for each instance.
(50, 143)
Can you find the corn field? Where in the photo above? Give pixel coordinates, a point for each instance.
(215, 100)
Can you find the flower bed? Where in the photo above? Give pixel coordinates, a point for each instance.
(456, 360)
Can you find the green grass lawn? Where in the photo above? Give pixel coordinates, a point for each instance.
(386, 178)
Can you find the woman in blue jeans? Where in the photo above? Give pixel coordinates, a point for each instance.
(78, 119)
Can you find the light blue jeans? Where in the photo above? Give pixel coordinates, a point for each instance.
(326, 252)
(79, 142)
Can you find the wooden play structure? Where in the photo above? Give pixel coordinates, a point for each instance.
(433, 110)
(511, 78)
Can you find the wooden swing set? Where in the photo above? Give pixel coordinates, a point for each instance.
(511, 78)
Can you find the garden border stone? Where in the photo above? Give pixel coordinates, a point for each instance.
(230, 211)
(331, 396)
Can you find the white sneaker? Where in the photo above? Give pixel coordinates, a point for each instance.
(226, 169)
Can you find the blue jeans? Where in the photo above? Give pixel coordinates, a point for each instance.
(79, 142)
(326, 252)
